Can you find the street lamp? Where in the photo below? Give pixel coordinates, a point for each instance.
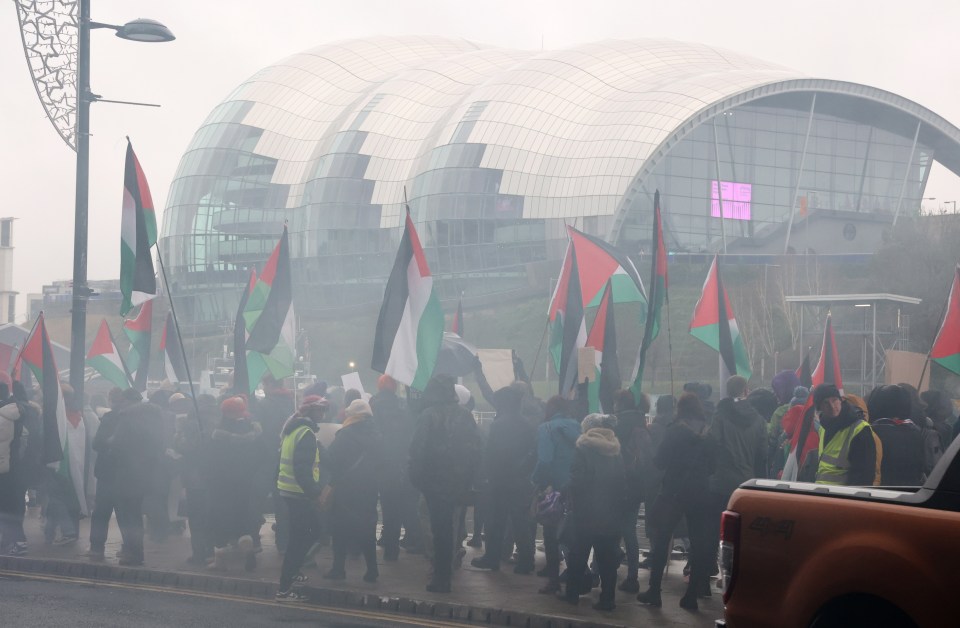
(143, 30)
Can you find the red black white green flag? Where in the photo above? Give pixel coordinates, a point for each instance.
(603, 339)
(241, 377)
(269, 319)
(456, 326)
(599, 262)
(656, 298)
(138, 233)
(175, 369)
(139, 331)
(715, 325)
(803, 372)
(946, 347)
(828, 368)
(64, 436)
(410, 325)
(105, 358)
(570, 328)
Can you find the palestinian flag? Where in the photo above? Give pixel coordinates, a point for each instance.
(946, 347)
(269, 319)
(138, 232)
(828, 368)
(715, 325)
(241, 377)
(603, 339)
(139, 332)
(410, 325)
(656, 298)
(599, 262)
(105, 358)
(573, 330)
(804, 374)
(457, 326)
(64, 435)
(174, 366)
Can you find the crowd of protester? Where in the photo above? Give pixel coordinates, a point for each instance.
(336, 466)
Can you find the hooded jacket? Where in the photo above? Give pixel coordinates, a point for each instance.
(741, 436)
(863, 451)
(10, 430)
(687, 458)
(231, 464)
(556, 441)
(446, 450)
(903, 453)
(510, 453)
(597, 483)
(393, 420)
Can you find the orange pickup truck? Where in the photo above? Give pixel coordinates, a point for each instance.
(813, 556)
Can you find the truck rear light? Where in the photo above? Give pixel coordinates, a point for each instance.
(729, 550)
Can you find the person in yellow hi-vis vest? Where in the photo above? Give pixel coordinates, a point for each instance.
(848, 454)
(298, 483)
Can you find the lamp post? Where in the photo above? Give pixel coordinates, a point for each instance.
(144, 30)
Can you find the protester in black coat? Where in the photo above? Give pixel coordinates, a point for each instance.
(355, 461)
(508, 460)
(902, 463)
(636, 448)
(687, 458)
(134, 448)
(444, 456)
(188, 442)
(597, 500)
(398, 498)
(230, 468)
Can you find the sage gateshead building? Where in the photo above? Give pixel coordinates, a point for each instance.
(496, 150)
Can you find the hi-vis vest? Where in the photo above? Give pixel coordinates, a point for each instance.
(286, 481)
(835, 456)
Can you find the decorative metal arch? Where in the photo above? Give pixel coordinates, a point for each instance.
(935, 123)
(49, 30)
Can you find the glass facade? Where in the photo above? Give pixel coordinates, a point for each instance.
(495, 151)
(850, 165)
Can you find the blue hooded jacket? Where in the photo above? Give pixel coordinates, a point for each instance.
(556, 447)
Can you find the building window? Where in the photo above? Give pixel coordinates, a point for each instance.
(11, 300)
(6, 228)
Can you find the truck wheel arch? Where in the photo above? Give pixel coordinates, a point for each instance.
(860, 610)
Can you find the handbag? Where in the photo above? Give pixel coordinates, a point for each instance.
(549, 509)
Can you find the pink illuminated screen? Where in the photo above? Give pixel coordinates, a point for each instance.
(736, 200)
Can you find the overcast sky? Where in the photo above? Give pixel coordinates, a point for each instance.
(910, 48)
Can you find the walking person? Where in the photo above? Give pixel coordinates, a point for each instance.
(230, 461)
(598, 496)
(355, 461)
(444, 456)
(398, 499)
(556, 443)
(741, 435)
(105, 471)
(508, 461)
(298, 484)
(687, 458)
(12, 493)
(636, 449)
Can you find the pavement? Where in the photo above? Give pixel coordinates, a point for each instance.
(482, 597)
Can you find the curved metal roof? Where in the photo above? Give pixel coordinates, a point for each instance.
(574, 130)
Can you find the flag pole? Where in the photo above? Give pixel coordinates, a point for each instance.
(536, 359)
(669, 345)
(183, 351)
(123, 362)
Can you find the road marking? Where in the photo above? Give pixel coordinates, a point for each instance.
(326, 610)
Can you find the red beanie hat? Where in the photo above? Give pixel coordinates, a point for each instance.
(385, 382)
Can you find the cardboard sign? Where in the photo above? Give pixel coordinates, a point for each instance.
(497, 367)
(586, 364)
(352, 380)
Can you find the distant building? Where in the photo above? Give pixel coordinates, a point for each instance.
(8, 296)
(57, 298)
(497, 150)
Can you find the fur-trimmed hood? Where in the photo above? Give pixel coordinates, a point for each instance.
(600, 440)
